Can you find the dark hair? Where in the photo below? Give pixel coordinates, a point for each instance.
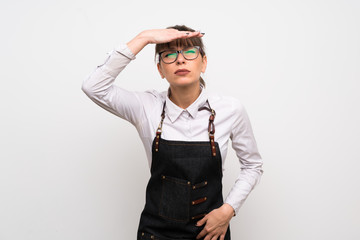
(194, 41)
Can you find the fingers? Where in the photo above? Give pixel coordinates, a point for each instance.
(202, 221)
(215, 237)
(212, 236)
(168, 35)
(186, 34)
(213, 229)
(206, 232)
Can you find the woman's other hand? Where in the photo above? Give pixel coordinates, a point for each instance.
(216, 223)
(155, 36)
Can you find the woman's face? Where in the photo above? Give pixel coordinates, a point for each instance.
(183, 72)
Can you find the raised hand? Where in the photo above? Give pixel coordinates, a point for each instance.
(155, 36)
(167, 35)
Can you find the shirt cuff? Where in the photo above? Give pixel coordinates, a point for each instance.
(123, 49)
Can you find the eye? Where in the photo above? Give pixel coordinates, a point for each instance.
(170, 55)
(191, 51)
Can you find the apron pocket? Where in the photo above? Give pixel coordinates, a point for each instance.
(175, 199)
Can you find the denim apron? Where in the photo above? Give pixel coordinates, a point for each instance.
(185, 185)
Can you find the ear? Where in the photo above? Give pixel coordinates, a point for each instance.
(159, 69)
(204, 64)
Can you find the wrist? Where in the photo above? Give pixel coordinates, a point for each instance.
(228, 210)
(138, 43)
(144, 37)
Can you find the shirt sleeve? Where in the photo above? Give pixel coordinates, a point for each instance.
(99, 87)
(244, 144)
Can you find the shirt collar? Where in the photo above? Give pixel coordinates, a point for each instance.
(173, 111)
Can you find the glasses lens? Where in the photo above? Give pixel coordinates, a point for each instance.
(191, 53)
(169, 56)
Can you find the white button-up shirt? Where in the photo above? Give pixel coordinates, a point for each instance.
(143, 110)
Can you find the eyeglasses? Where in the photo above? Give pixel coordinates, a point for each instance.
(189, 53)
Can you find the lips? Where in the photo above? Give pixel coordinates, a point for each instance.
(182, 71)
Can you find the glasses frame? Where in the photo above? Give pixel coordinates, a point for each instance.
(182, 53)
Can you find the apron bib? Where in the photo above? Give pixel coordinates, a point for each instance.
(185, 185)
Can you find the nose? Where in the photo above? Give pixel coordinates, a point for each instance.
(180, 59)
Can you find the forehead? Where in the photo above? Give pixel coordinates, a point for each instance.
(174, 47)
(177, 44)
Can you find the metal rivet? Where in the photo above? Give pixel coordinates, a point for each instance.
(193, 202)
(205, 182)
(142, 234)
(152, 237)
(189, 183)
(163, 177)
(157, 142)
(157, 136)
(194, 187)
(156, 150)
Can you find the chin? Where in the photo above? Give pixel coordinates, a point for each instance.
(184, 83)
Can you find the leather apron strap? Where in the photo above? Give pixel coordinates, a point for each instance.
(211, 127)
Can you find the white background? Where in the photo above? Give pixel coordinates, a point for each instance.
(71, 171)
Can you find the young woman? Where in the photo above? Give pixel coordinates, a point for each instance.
(177, 127)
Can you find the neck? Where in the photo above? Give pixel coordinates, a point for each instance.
(184, 96)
